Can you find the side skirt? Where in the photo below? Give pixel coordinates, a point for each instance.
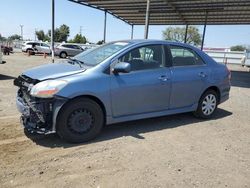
(111, 120)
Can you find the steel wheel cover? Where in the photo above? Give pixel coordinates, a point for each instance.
(209, 104)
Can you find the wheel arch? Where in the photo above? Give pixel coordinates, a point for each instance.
(216, 89)
(63, 52)
(29, 49)
(90, 97)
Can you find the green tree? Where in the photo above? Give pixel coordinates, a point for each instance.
(62, 33)
(238, 48)
(178, 34)
(40, 35)
(2, 38)
(79, 39)
(14, 37)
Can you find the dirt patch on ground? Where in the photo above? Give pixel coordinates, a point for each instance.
(171, 151)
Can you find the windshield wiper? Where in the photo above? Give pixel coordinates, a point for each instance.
(80, 63)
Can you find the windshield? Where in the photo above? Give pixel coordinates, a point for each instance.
(97, 55)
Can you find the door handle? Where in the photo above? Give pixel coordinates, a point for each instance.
(164, 78)
(202, 74)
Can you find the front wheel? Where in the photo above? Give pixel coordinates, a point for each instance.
(207, 105)
(80, 120)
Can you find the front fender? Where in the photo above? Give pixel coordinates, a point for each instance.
(97, 87)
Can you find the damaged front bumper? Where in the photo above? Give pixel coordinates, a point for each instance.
(38, 115)
(41, 117)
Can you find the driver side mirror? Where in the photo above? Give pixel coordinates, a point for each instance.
(122, 67)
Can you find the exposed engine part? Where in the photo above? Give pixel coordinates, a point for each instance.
(38, 114)
(32, 106)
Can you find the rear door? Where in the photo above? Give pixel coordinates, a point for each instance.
(189, 75)
(45, 48)
(77, 50)
(146, 88)
(69, 48)
(36, 46)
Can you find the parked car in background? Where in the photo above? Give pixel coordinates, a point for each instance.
(36, 47)
(66, 49)
(6, 50)
(1, 56)
(245, 61)
(117, 82)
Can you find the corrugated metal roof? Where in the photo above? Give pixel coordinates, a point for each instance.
(176, 12)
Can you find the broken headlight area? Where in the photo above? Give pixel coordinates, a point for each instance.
(37, 113)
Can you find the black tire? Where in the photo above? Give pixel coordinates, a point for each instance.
(80, 120)
(202, 107)
(31, 51)
(63, 55)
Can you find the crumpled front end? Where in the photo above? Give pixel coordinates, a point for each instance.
(38, 115)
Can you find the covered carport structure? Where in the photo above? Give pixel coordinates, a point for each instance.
(173, 12)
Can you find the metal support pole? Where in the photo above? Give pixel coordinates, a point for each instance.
(80, 30)
(52, 30)
(21, 31)
(105, 25)
(132, 31)
(185, 40)
(204, 32)
(147, 20)
(35, 34)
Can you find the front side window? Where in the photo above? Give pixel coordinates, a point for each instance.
(184, 57)
(146, 57)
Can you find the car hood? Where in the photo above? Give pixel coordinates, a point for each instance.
(54, 70)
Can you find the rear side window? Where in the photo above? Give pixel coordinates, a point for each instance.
(182, 56)
(67, 46)
(77, 47)
(45, 45)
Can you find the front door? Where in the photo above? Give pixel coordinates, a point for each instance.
(146, 88)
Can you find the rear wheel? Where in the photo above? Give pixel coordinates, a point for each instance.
(63, 55)
(207, 105)
(80, 120)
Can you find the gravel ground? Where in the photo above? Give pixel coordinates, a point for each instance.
(171, 151)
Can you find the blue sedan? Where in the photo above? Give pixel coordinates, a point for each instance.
(120, 81)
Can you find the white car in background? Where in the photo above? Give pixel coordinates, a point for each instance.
(247, 58)
(36, 47)
(67, 49)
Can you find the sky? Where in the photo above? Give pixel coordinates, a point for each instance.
(36, 15)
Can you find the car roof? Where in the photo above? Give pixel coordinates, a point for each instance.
(34, 42)
(153, 41)
(69, 44)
